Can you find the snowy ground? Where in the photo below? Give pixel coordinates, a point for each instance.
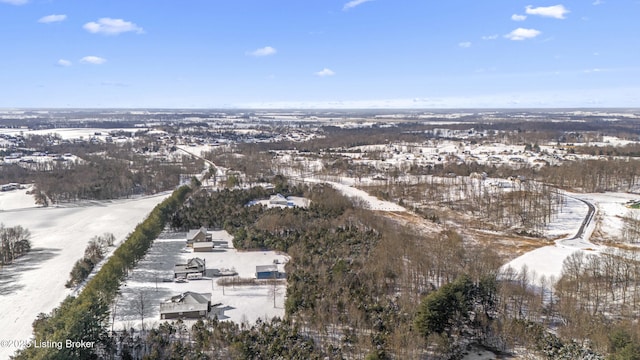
(16, 199)
(371, 202)
(612, 207)
(35, 282)
(295, 201)
(477, 353)
(238, 304)
(69, 133)
(568, 220)
(548, 260)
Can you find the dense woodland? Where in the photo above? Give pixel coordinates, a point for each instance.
(360, 285)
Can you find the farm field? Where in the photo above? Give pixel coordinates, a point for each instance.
(35, 283)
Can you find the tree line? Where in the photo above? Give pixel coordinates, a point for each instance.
(100, 170)
(85, 318)
(93, 254)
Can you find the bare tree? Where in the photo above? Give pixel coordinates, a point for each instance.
(140, 306)
(274, 290)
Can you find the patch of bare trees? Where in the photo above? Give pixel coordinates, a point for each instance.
(631, 227)
(611, 174)
(596, 293)
(526, 206)
(14, 242)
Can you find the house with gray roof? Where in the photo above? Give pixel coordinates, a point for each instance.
(188, 305)
(198, 235)
(193, 266)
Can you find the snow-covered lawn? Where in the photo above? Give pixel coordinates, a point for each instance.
(35, 282)
(238, 303)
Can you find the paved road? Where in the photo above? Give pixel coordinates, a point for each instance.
(579, 240)
(587, 219)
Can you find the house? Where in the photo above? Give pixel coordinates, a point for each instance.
(278, 199)
(188, 305)
(196, 236)
(267, 272)
(193, 266)
(204, 246)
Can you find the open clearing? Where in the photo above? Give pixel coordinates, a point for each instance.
(547, 261)
(239, 304)
(35, 282)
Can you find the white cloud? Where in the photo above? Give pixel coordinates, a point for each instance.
(598, 2)
(465, 44)
(517, 17)
(522, 34)
(63, 62)
(265, 51)
(353, 3)
(114, 83)
(52, 18)
(325, 72)
(110, 26)
(490, 37)
(597, 70)
(96, 60)
(14, 2)
(555, 11)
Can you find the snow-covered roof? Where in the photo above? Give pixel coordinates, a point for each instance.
(266, 268)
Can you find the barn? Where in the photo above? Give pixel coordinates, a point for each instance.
(267, 272)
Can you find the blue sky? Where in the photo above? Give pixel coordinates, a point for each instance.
(319, 53)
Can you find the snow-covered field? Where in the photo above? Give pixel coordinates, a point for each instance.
(35, 282)
(16, 199)
(239, 303)
(612, 208)
(371, 202)
(69, 133)
(547, 261)
(568, 220)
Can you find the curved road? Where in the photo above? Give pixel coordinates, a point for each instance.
(579, 240)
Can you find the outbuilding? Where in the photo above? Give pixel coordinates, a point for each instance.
(205, 246)
(267, 272)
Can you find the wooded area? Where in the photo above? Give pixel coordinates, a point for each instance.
(14, 242)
